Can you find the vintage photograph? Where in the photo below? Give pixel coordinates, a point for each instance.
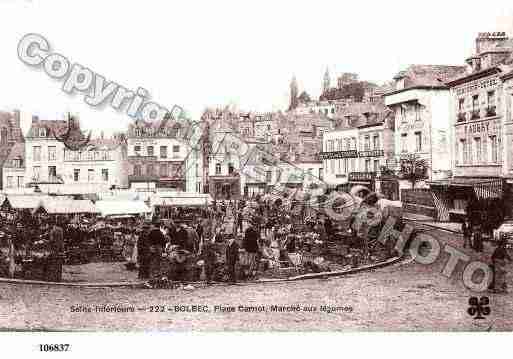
(255, 167)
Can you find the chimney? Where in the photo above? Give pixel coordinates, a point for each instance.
(35, 119)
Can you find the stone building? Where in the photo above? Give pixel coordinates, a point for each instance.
(480, 118)
(361, 144)
(420, 102)
(100, 163)
(164, 155)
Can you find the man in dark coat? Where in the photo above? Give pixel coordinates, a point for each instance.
(157, 243)
(250, 245)
(181, 236)
(232, 257)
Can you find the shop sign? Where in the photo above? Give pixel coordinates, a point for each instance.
(476, 86)
(417, 125)
(482, 127)
(339, 154)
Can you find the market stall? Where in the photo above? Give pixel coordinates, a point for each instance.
(111, 208)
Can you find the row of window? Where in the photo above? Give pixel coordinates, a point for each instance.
(231, 169)
(417, 108)
(91, 175)
(165, 170)
(103, 155)
(347, 165)
(150, 151)
(13, 182)
(342, 144)
(418, 142)
(475, 109)
(52, 174)
(479, 150)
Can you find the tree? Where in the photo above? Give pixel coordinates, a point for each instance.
(413, 168)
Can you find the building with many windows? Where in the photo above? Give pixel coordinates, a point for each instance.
(420, 103)
(360, 146)
(480, 119)
(100, 163)
(163, 155)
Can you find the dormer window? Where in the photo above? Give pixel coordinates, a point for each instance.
(42, 132)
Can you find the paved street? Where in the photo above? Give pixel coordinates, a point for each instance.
(406, 296)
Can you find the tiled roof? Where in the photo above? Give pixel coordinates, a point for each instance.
(429, 75)
(361, 114)
(52, 127)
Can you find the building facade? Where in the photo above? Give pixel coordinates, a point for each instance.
(419, 103)
(359, 147)
(163, 155)
(480, 118)
(101, 162)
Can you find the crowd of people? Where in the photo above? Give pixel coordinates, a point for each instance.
(226, 241)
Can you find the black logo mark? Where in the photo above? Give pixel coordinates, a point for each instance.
(479, 308)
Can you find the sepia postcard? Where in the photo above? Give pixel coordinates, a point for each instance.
(255, 167)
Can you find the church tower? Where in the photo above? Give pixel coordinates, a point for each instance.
(326, 81)
(293, 93)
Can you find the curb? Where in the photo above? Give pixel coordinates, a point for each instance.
(425, 223)
(331, 274)
(67, 284)
(259, 281)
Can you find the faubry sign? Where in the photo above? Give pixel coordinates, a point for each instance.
(483, 127)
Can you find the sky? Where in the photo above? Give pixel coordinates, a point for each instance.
(196, 54)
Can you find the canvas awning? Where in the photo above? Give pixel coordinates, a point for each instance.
(66, 206)
(117, 208)
(182, 201)
(22, 202)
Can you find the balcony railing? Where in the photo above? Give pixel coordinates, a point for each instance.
(475, 115)
(491, 111)
(462, 116)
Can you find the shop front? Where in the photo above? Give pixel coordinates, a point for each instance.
(468, 197)
(389, 186)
